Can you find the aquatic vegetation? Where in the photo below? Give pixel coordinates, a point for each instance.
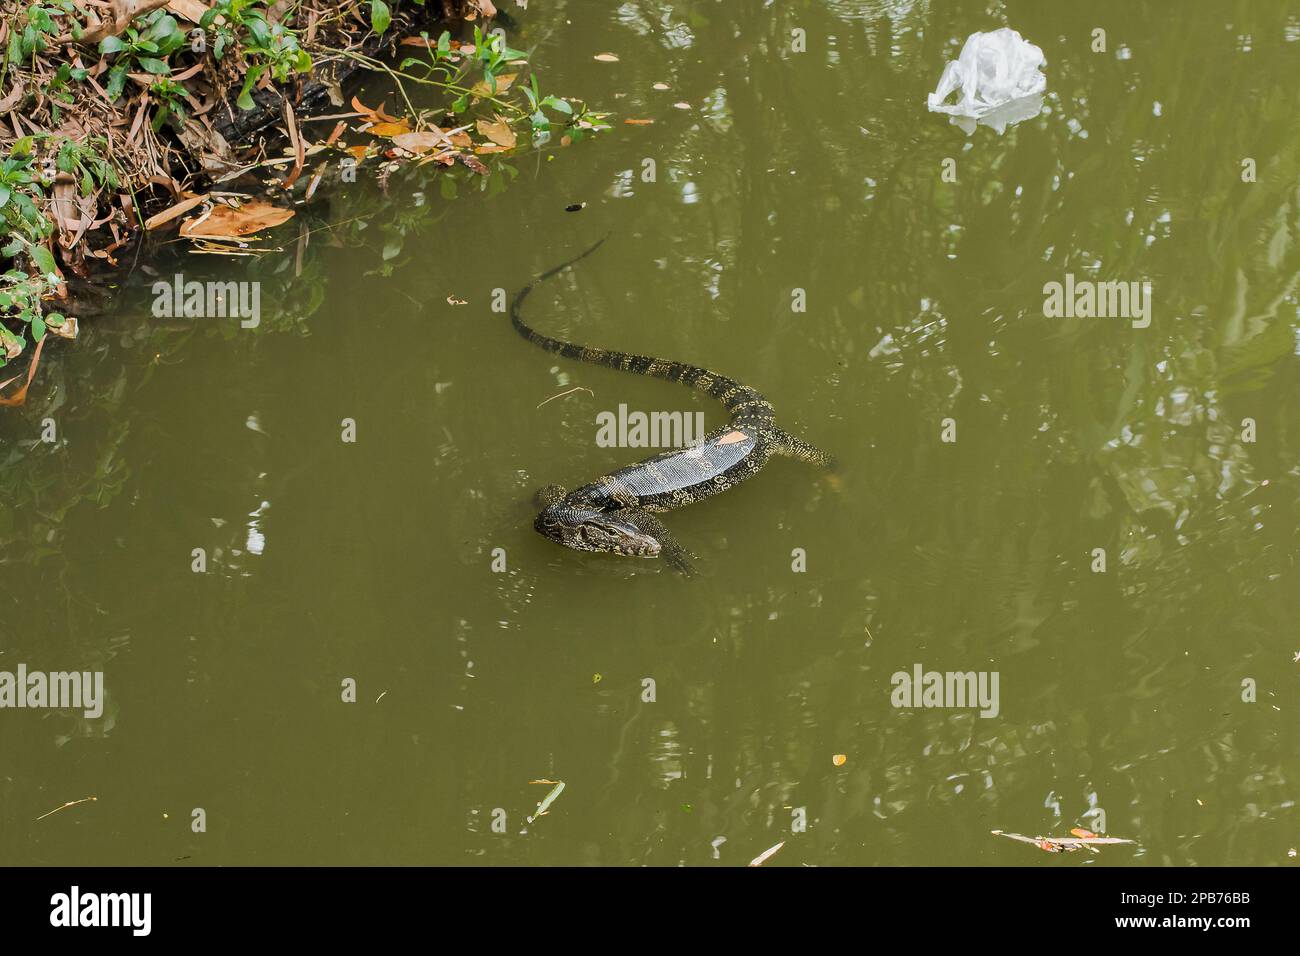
(264, 48)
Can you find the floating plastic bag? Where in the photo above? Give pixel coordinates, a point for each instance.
(999, 80)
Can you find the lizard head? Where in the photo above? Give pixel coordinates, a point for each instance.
(584, 528)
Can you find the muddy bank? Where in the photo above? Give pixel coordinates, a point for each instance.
(126, 118)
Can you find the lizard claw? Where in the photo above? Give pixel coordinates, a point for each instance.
(679, 560)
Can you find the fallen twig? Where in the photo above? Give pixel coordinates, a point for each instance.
(576, 388)
(20, 396)
(70, 803)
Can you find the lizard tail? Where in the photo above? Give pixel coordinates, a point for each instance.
(742, 402)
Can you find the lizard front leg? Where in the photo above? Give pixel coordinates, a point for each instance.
(673, 553)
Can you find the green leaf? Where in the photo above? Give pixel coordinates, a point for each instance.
(152, 65)
(38, 328)
(116, 80)
(380, 17)
(44, 260)
(258, 30)
(27, 208)
(168, 32)
(245, 100)
(111, 45)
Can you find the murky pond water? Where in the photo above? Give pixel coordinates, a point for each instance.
(800, 234)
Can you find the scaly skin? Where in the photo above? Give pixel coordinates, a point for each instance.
(615, 513)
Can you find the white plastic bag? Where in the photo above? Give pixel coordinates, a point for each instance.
(999, 79)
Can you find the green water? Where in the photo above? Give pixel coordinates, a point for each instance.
(822, 171)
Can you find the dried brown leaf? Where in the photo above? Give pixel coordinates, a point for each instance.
(191, 10)
(473, 163)
(482, 88)
(421, 141)
(227, 221)
(499, 131)
(389, 129)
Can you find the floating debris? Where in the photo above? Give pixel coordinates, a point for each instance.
(70, 803)
(222, 221)
(498, 130)
(1082, 839)
(483, 88)
(548, 800)
(766, 855)
(576, 388)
